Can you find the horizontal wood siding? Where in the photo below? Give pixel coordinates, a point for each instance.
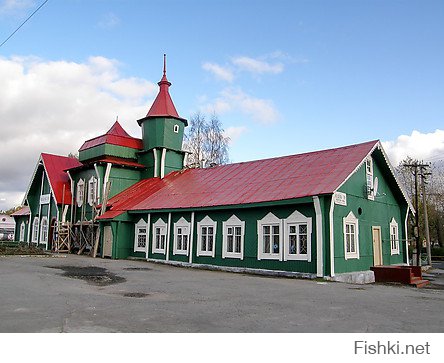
(250, 216)
(377, 212)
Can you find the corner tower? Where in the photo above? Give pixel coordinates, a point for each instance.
(162, 133)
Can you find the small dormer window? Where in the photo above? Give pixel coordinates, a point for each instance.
(176, 129)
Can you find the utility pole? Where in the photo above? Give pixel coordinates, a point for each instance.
(426, 218)
(415, 165)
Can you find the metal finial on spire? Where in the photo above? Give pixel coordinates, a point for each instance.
(164, 64)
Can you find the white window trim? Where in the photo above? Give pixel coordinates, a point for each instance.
(269, 220)
(92, 197)
(394, 224)
(369, 178)
(22, 232)
(176, 128)
(140, 224)
(181, 223)
(80, 195)
(233, 221)
(351, 219)
(163, 227)
(35, 230)
(206, 222)
(297, 218)
(42, 230)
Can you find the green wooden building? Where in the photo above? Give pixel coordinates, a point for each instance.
(331, 213)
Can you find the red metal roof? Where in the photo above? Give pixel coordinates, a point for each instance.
(55, 166)
(268, 180)
(163, 105)
(22, 212)
(110, 159)
(116, 135)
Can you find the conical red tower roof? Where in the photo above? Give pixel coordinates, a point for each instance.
(163, 105)
(116, 135)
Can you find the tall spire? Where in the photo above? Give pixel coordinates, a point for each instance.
(163, 105)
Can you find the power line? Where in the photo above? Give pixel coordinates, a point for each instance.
(29, 17)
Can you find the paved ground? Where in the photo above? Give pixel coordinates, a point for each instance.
(81, 294)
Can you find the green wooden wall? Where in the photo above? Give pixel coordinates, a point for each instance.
(124, 237)
(377, 212)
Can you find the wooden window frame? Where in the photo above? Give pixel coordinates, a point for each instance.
(80, 192)
(181, 229)
(394, 237)
(269, 221)
(351, 220)
(35, 230)
(141, 225)
(162, 226)
(296, 219)
(207, 222)
(44, 230)
(233, 222)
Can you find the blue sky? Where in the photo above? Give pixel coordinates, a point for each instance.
(283, 76)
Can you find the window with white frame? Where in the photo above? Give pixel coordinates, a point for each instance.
(176, 129)
(181, 237)
(44, 230)
(394, 237)
(269, 238)
(92, 191)
(80, 192)
(140, 236)
(22, 232)
(159, 236)
(233, 238)
(297, 237)
(351, 236)
(206, 237)
(35, 230)
(369, 178)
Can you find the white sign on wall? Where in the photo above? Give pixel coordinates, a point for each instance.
(45, 198)
(340, 198)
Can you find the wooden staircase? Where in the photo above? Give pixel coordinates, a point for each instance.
(408, 275)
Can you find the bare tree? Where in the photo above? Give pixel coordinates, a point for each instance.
(205, 142)
(434, 194)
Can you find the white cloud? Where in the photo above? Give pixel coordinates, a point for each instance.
(14, 6)
(234, 133)
(222, 73)
(55, 106)
(257, 66)
(234, 99)
(421, 146)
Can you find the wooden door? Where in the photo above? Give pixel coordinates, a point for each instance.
(107, 241)
(377, 246)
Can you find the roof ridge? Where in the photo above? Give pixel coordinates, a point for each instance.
(291, 155)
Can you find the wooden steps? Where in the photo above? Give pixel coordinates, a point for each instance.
(418, 282)
(408, 275)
